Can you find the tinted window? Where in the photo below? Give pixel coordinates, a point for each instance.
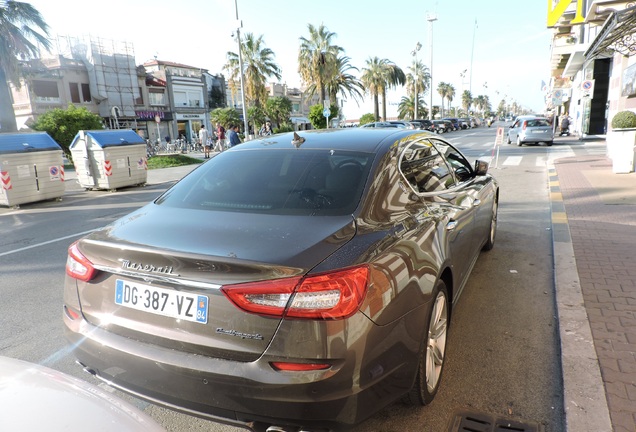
(425, 169)
(300, 182)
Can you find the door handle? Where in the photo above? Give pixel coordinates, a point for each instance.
(451, 225)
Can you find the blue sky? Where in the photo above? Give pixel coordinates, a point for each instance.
(511, 43)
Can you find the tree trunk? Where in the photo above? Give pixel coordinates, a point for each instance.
(383, 104)
(7, 115)
(376, 107)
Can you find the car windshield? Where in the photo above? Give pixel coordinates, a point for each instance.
(538, 122)
(275, 181)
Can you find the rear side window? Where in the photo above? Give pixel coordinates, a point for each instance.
(425, 169)
(295, 182)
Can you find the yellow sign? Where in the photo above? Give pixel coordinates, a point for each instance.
(556, 9)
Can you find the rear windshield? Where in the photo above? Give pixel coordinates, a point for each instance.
(537, 123)
(275, 181)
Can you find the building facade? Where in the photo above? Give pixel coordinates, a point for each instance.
(159, 99)
(592, 62)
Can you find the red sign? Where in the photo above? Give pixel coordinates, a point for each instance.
(108, 168)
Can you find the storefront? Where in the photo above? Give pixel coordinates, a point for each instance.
(153, 124)
(188, 125)
(611, 59)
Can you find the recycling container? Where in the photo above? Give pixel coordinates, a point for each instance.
(109, 159)
(31, 168)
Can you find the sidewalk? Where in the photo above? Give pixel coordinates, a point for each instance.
(594, 233)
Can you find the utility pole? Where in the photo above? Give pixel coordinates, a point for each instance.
(431, 18)
(416, 77)
(239, 24)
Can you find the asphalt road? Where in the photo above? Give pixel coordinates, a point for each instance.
(503, 356)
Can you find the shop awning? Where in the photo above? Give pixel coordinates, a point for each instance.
(617, 34)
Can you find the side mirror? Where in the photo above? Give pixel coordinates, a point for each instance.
(481, 167)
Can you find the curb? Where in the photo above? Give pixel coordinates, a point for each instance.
(584, 400)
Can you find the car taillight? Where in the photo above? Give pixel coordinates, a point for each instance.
(525, 123)
(299, 367)
(333, 295)
(78, 266)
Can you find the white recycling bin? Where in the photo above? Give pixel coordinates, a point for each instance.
(31, 168)
(109, 159)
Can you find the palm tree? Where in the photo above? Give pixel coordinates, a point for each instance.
(318, 60)
(394, 76)
(450, 94)
(379, 75)
(406, 108)
(467, 101)
(418, 80)
(444, 89)
(258, 66)
(20, 23)
(373, 80)
(343, 82)
(482, 103)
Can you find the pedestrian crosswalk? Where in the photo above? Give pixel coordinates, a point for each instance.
(528, 159)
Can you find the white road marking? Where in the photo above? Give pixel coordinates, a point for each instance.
(513, 160)
(45, 243)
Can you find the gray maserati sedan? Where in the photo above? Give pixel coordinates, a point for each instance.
(301, 281)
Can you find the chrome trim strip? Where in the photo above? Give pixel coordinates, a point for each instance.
(159, 278)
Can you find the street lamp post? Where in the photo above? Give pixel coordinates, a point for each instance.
(239, 24)
(416, 77)
(431, 18)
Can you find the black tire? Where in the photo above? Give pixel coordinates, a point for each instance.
(492, 232)
(432, 353)
(508, 140)
(519, 143)
(549, 143)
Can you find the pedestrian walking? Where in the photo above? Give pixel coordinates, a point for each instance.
(220, 135)
(203, 140)
(233, 136)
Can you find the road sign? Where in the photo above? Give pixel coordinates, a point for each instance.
(587, 87)
(557, 97)
(326, 112)
(500, 136)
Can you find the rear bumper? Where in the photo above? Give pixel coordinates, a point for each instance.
(536, 138)
(241, 393)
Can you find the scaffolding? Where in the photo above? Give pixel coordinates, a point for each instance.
(112, 75)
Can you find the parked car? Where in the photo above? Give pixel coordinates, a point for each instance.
(464, 123)
(454, 121)
(449, 125)
(441, 126)
(424, 124)
(38, 398)
(321, 293)
(531, 130)
(403, 123)
(382, 125)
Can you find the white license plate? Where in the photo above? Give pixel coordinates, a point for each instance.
(160, 301)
